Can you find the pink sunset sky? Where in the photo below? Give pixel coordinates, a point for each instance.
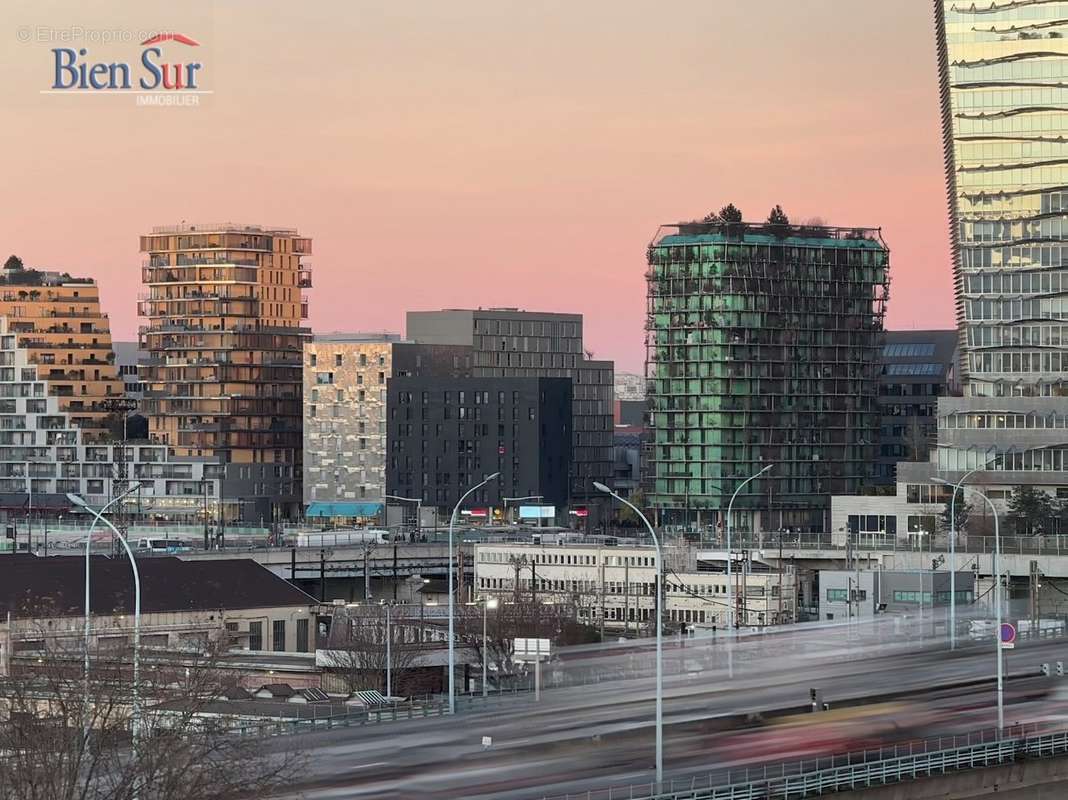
(481, 152)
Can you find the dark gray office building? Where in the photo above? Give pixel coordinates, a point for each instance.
(916, 368)
(445, 434)
(510, 343)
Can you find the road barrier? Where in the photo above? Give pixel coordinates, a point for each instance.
(862, 770)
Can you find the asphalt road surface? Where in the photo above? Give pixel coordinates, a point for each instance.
(881, 687)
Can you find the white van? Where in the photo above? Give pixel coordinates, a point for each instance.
(155, 545)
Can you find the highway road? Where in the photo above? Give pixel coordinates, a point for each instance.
(591, 736)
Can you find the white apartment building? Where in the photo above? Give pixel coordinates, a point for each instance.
(614, 587)
(44, 452)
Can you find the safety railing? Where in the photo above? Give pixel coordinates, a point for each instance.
(434, 706)
(859, 770)
(1010, 545)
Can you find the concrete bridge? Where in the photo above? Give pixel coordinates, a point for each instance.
(356, 571)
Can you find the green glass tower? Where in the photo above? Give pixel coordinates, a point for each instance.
(761, 348)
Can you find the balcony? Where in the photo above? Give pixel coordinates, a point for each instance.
(304, 278)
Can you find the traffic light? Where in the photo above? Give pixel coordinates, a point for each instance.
(1060, 669)
(1045, 670)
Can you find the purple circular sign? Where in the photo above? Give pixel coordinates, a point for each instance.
(1008, 632)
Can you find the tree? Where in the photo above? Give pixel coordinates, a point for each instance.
(1031, 511)
(357, 653)
(65, 737)
(730, 213)
(778, 217)
(13, 263)
(627, 516)
(917, 441)
(962, 510)
(543, 615)
(1060, 517)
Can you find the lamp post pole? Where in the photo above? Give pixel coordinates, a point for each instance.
(997, 602)
(389, 656)
(487, 603)
(958, 486)
(88, 543)
(135, 729)
(731, 624)
(452, 599)
(659, 633)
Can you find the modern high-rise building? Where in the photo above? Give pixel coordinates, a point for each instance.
(916, 368)
(346, 376)
(446, 434)
(762, 349)
(58, 319)
(510, 343)
(60, 410)
(224, 338)
(1003, 70)
(127, 359)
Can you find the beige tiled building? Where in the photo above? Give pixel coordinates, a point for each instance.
(345, 413)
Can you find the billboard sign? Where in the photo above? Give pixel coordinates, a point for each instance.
(537, 512)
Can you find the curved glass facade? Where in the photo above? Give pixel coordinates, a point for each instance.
(1004, 74)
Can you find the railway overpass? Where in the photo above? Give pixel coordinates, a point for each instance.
(341, 571)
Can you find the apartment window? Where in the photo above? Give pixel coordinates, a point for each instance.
(363, 359)
(311, 411)
(278, 635)
(324, 377)
(381, 378)
(338, 359)
(340, 396)
(255, 636)
(314, 359)
(302, 636)
(837, 595)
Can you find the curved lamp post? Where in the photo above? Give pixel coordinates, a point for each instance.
(452, 600)
(659, 632)
(99, 517)
(959, 485)
(997, 600)
(730, 587)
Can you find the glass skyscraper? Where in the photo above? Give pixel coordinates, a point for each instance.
(1003, 69)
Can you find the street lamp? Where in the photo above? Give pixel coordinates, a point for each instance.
(997, 599)
(99, 517)
(953, 554)
(506, 500)
(730, 586)
(486, 603)
(452, 600)
(659, 632)
(389, 654)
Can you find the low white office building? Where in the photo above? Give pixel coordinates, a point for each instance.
(614, 587)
